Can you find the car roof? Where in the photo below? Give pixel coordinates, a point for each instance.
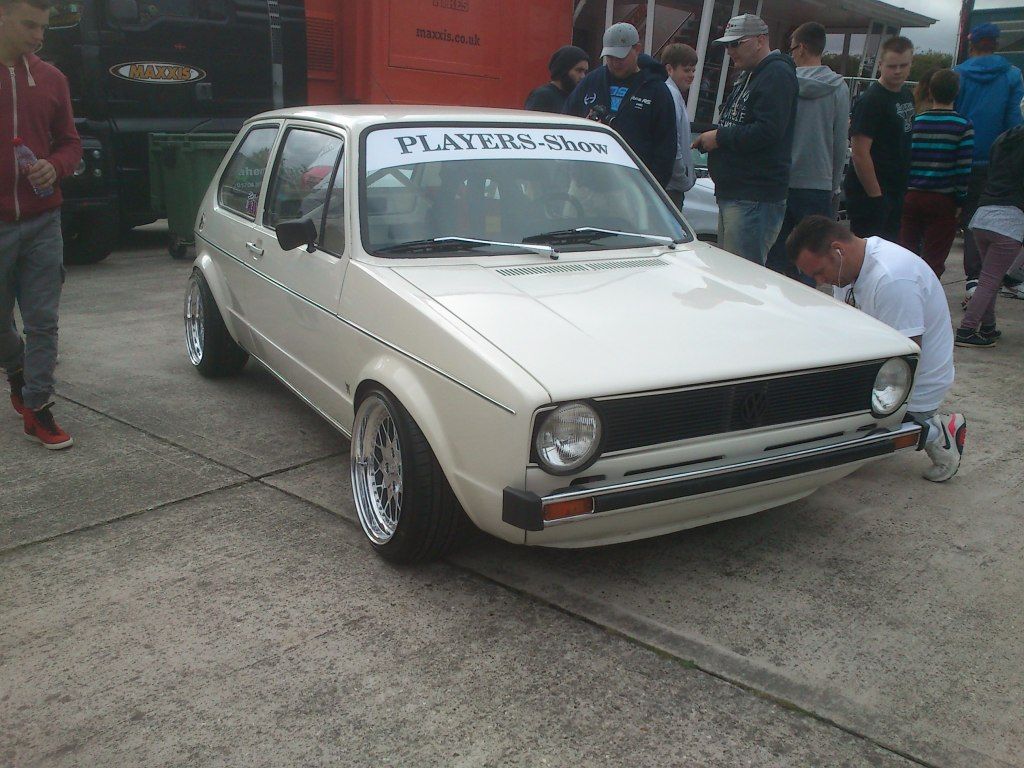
(360, 116)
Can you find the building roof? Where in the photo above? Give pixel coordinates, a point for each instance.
(842, 16)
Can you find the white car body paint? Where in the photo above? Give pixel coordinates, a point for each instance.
(474, 344)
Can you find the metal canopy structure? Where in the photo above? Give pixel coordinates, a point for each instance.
(698, 22)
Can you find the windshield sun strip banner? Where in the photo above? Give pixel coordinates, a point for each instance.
(391, 147)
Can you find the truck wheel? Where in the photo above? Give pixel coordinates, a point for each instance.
(177, 248)
(210, 347)
(405, 505)
(89, 239)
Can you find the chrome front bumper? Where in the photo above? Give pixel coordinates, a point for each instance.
(530, 512)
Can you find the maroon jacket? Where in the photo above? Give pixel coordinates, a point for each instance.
(35, 104)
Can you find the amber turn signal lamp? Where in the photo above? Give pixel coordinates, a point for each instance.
(904, 441)
(561, 509)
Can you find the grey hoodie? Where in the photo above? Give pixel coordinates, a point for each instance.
(821, 132)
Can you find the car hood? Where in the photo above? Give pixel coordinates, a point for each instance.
(634, 320)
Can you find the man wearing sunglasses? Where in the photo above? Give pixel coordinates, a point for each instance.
(749, 153)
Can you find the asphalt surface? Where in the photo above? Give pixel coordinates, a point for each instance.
(187, 586)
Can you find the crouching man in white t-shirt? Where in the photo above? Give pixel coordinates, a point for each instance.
(897, 287)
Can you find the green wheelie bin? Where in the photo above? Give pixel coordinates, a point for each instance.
(181, 166)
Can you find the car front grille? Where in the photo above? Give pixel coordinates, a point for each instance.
(653, 419)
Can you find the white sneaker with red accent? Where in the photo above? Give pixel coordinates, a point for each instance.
(947, 451)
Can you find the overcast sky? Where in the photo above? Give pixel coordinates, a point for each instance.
(940, 36)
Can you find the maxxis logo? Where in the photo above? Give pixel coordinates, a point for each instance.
(157, 72)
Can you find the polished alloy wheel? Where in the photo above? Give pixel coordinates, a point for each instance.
(377, 470)
(194, 329)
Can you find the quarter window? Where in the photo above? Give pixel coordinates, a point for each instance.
(302, 175)
(239, 189)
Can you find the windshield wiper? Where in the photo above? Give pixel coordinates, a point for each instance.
(589, 234)
(460, 243)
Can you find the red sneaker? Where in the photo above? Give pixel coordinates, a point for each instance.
(39, 425)
(17, 381)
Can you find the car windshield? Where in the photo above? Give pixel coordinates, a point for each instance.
(573, 189)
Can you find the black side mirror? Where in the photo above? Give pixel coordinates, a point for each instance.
(292, 234)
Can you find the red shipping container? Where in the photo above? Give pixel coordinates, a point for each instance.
(457, 52)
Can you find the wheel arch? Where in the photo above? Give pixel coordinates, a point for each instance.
(214, 276)
(475, 481)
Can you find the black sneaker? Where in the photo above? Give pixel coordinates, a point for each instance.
(990, 332)
(966, 337)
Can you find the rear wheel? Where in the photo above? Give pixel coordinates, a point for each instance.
(210, 347)
(405, 505)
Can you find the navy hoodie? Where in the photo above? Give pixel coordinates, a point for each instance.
(755, 134)
(646, 119)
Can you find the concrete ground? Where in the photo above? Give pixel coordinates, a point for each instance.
(187, 586)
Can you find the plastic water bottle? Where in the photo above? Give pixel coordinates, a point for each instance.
(26, 159)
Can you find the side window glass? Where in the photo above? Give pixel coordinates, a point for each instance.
(333, 238)
(240, 184)
(302, 174)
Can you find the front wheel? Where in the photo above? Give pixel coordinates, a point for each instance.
(210, 347)
(89, 239)
(405, 505)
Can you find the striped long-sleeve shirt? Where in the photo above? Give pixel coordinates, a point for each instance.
(941, 153)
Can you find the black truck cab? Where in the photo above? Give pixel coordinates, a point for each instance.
(137, 67)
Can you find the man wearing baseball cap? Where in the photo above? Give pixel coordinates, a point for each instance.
(632, 99)
(991, 90)
(749, 153)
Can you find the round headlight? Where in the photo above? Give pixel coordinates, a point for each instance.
(568, 438)
(892, 386)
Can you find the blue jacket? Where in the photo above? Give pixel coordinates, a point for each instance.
(646, 119)
(991, 90)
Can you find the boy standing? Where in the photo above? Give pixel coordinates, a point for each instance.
(940, 171)
(820, 139)
(38, 111)
(681, 65)
(880, 133)
(998, 229)
(991, 92)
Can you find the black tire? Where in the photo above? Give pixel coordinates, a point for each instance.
(209, 345)
(430, 520)
(90, 239)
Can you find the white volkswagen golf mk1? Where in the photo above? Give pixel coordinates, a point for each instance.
(515, 328)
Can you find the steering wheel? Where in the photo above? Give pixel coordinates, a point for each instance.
(548, 205)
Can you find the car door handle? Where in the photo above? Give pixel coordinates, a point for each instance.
(254, 249)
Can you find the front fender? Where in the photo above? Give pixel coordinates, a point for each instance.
(480, 446)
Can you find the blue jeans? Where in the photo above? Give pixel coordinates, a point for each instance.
(799, 203)
(31, 273)
(749, 227)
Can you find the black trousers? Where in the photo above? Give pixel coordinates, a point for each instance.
(876, 216)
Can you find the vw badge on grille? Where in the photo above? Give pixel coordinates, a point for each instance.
(753, 407)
